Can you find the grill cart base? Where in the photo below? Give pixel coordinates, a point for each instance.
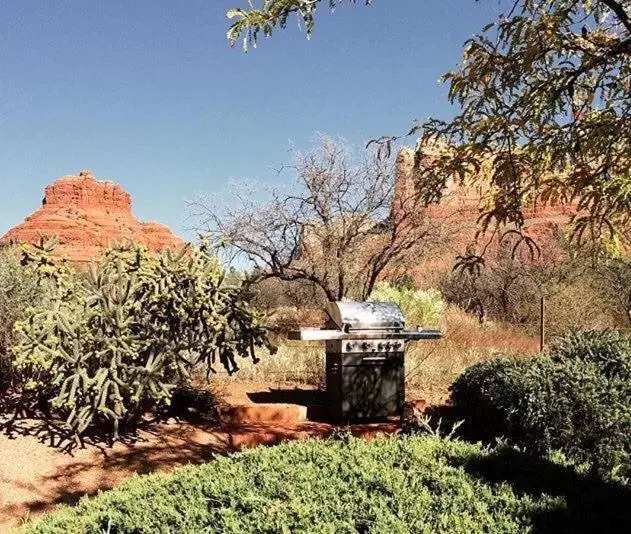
(364, 389)
(365, 349)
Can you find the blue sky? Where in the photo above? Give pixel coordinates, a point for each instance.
(148, 92)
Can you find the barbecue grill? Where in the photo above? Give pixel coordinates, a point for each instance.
(365, 348)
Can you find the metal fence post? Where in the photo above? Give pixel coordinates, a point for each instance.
(542, 325)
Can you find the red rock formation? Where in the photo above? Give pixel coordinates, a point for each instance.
(459, 211)
(468, 200)
(88, 216)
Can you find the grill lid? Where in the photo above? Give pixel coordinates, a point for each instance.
(350, 315)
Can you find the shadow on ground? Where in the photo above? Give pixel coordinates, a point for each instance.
(50, 476)
(187, 404)
(589, 503)
(41, 465)
(34, 476)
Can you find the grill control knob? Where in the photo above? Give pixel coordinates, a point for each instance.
(388, 345)
(398, 345)
(380, 347)
(365, 345)
(349, 346)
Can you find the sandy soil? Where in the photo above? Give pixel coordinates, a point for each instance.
(35, 476)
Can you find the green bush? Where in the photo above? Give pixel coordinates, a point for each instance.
(114, 343)
(490, 397)
(574, 404)
(397, 485)
(610, 349)
(420, 307)
(18, 291)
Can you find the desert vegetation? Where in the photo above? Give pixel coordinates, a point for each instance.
(19, 292)
(502, 436)
(413, 484)
(431, 366)
(575, 399)
(579, 292)
(108, 345)
(102, 352)
(338, 225)
(144, 323)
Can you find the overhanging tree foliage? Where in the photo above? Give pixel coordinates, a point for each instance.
(544, 94)
(273, 13)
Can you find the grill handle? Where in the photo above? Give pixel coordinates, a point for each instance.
(396, 327)
(374, 359)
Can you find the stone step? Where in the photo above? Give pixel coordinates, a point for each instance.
(263, 413)
(255, 435)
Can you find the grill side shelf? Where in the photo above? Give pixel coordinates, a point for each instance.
(316, 334)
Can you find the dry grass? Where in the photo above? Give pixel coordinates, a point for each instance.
(294, 363)
(431, 366)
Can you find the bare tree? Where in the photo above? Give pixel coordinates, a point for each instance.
(341, 225)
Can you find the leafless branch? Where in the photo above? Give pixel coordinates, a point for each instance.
(335, 228)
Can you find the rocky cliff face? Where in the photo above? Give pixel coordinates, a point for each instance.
(458, 213)
(88, 216)
(468, 200)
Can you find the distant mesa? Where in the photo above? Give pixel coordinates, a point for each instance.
(89, 216)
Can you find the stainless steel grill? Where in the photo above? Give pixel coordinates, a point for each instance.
(365, 348)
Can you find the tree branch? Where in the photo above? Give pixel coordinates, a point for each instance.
(620, 12)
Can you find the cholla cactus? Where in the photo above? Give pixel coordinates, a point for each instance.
(115, 341)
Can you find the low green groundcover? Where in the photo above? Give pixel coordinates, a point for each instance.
(396, 485)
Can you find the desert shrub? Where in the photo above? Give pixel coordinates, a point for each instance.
(18, 291)
(578, 293)
(114, 343)
(295, 362)
(405, 281)
(580, 304)
(498, 292)
(513, 295)
(287, 305)
(403, 485)
(488, 395)
(550, 403)
(283, 319)
(610, 349)
(271, 293)
(420, 307)
(430, 366)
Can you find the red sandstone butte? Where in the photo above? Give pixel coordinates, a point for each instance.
(88, 216)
